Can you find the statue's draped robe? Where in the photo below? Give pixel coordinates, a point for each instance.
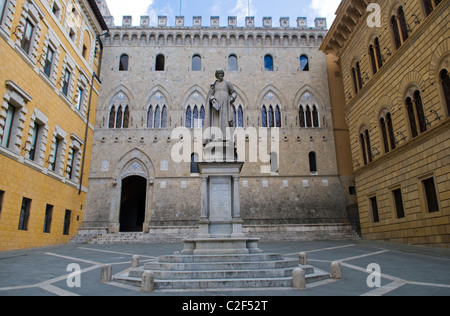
(222, 92)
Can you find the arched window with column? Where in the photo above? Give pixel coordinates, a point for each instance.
(399, 27)
(366, 149)
(416, 114)
(157, 111)
(308, 111)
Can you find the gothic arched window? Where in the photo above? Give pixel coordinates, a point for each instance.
(263, 116)
(277, 116)
(188, 123)
(150, 117)
(119, 117)
(240, 122)
(301, 116)
(270, 116)
(164, 117)
(112, 117)
(202, 115)
(126, 117)
(315, 117)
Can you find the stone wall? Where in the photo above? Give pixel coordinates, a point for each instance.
(291, 195)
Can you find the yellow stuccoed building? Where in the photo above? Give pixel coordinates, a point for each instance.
(49, 82)
(395, 63)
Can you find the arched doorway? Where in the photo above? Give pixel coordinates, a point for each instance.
(132, 204)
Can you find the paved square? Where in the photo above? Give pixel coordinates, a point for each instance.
(404, 270)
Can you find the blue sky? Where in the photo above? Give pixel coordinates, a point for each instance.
(224, 8)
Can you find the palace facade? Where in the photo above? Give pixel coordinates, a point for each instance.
(394, 57)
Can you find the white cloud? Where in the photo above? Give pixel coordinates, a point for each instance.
(325, 9)
(241, 9)
(135, 8)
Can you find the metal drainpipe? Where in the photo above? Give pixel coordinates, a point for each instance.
(86, 131)
(94, 75)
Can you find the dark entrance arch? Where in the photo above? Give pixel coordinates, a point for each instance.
(132, 204)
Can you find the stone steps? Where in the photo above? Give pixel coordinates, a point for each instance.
(220, 271)
(152, 266)
(220, 274)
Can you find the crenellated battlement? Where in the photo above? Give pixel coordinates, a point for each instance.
(197, 22)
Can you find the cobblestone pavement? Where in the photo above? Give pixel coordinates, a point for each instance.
(404, 270)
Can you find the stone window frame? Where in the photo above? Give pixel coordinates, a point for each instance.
(417, 111)
(51, 40)
(387, 133)
(4, 10)
(356, 75)
(73, 167)
(32, 13)
(399, 31)
(375, 55)
(83, 83)
(19, 99)
(59, 142)
(365, 144)
(399, 213)
(41, 143)
(424, 201)
(69, 65)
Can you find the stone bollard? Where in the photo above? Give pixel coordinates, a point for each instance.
(106, 273)
(298, 279)
(336, 270)
(302, 258)
(148, 281)
(135, 261)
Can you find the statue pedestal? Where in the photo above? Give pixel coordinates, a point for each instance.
(220, 224)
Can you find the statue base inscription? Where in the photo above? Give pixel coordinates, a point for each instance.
(220, 224)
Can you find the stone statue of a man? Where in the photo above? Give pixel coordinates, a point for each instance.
(219, 111)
